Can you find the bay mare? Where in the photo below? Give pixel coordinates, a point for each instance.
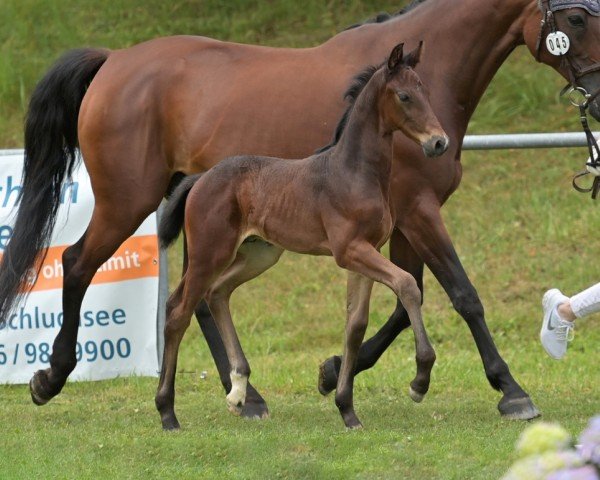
(243, 213)
(179, 105)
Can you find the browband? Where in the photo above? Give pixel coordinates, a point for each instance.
(590, 6)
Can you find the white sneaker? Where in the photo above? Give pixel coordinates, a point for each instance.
(555, 332)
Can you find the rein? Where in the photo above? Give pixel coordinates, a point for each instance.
(578, 96)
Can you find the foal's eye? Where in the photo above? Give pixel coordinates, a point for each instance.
(403, 97)
(576, 21)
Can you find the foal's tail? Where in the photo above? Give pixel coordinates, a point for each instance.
(50, 156)
(173, 215)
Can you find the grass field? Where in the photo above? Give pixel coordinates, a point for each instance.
(517, 224)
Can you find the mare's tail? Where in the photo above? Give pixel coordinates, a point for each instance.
(173, 215)
(50, 156)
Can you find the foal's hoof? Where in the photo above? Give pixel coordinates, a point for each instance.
(415, 396)
(518, 408)
(38, 388)
(328, 374)
(255, 410)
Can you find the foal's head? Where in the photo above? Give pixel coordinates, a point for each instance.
(404, 103)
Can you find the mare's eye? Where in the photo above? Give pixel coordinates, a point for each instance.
(576, 21)
(403, 97)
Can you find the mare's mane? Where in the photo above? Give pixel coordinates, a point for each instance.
(384, 16)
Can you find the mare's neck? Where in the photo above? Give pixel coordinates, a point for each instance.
(365, 146)
(465, 43)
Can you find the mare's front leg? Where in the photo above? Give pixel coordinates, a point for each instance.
(427, 233)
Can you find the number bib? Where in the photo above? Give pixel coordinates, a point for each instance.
(558, 43)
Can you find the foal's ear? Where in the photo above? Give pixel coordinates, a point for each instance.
(395, 59)
(412, 59)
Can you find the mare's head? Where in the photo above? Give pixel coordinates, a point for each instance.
(568, 39)
(405, 103)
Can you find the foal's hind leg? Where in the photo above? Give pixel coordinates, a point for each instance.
(255, 405)
(200, 275)
(177, 322)
(253, 258)
(358, 296)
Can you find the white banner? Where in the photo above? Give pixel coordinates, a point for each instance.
(118, 324)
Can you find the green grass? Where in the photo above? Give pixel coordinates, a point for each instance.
(517, 224)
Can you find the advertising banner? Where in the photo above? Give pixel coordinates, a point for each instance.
(118, 324)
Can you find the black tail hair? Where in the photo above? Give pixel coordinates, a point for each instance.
(50, 157)
(172, 218)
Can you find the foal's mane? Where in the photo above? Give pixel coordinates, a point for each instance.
(384, 16)
(360, 80)
(358, 84)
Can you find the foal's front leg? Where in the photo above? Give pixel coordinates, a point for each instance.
(358, 296)
(365, 259)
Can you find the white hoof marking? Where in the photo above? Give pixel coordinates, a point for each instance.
(237, 396)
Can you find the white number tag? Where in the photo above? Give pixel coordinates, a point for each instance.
(558, 43)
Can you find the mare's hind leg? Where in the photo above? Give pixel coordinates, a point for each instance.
(357, 304)
(110, 226)
(253, 258)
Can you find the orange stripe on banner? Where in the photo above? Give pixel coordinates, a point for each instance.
(136, 258)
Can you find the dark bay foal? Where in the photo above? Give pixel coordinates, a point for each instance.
(242, 214)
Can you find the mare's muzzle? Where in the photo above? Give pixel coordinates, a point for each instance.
(591, 85)
(594, 109)
(436, 145)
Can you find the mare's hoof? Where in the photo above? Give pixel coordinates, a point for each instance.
(352, 422)
(328, 375)
(38, 388)
(357, 426)
(170, 424)
(415, 396)
(518, 408)
(255, 410)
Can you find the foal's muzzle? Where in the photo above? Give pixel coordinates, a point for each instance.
(436, 145)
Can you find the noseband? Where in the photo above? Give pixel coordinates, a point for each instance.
(578, 95)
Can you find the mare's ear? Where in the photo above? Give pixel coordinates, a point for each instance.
(395, 59)
(412, 59)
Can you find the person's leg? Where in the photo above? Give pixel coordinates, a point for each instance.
(560, 313)
(581, 304)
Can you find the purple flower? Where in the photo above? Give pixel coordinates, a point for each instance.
(590, 441)
(582, 473)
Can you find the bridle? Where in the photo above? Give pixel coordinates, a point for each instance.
(578, 95)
